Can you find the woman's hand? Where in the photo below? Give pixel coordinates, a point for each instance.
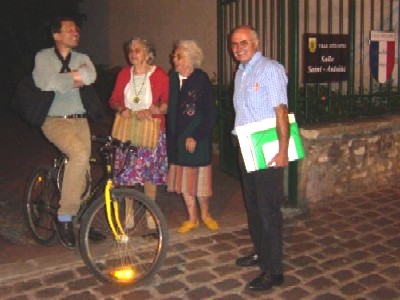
(154, 110)
(125, 113)
(190, 144)
(122, 110)
(143, 114)
(158, 109)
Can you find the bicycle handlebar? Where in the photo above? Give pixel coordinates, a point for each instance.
(109, 145)
(101, 139)
(113, 142)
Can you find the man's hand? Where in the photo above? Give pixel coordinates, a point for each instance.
(281, 159)
(78, 83)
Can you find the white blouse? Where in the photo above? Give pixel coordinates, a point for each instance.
(137, 93)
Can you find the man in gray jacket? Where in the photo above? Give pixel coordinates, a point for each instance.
(64, 71)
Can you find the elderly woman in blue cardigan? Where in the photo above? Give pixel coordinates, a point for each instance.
(191, 117)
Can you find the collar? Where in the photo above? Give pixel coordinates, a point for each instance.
(252, 61)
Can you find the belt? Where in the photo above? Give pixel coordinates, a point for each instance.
(73, 116)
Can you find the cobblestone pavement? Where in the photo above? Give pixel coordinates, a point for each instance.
(349, 250)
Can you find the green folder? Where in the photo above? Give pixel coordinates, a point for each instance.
(264, 145)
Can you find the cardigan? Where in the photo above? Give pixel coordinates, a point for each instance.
(192, 112)
(159, 89)
(47, 77)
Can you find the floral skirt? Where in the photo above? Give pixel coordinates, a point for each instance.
(145, 165)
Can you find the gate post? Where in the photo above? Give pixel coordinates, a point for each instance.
(228, 153)
(293, 87)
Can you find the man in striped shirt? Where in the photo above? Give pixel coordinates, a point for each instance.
(261, 92)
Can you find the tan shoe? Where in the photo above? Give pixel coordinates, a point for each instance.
(211, 224)
(187, 226)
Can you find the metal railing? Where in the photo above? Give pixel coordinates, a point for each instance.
(281, 25)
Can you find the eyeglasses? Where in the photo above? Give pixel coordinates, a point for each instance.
(135, 50)
(177, 56)
(242, 44)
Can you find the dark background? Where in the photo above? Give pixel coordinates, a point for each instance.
(24, 29)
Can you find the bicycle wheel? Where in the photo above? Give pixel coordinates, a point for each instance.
(41, 204)
(140, 254)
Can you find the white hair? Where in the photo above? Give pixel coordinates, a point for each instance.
(193, 51)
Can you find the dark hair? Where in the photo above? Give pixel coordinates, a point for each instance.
(55, 26)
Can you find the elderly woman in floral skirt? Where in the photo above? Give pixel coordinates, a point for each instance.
(141, 89)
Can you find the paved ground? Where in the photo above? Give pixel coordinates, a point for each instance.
(347, 250)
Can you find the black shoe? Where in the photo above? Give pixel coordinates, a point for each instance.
(265, 282)
(248, 261)
(65, 232)
(95, 235)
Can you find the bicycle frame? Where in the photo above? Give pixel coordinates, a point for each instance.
(113, 220)
(123, 273)
(105, 183)
(124, 253)
(57, 165)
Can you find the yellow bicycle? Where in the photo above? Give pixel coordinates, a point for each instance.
(134, 230)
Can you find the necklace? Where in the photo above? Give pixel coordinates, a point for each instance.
(136, 99)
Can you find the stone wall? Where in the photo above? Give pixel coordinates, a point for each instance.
(348, 159)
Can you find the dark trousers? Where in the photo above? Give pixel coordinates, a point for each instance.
(263, 194)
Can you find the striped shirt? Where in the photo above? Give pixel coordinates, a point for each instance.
(260, 85)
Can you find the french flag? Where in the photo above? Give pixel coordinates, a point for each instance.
(382, 55)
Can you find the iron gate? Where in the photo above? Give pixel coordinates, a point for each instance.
(281, 25)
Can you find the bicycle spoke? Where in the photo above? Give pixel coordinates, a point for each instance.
(137, 252)
(40, 203)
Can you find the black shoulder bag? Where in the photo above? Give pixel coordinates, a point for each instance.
(91, 103)
(31, 103)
